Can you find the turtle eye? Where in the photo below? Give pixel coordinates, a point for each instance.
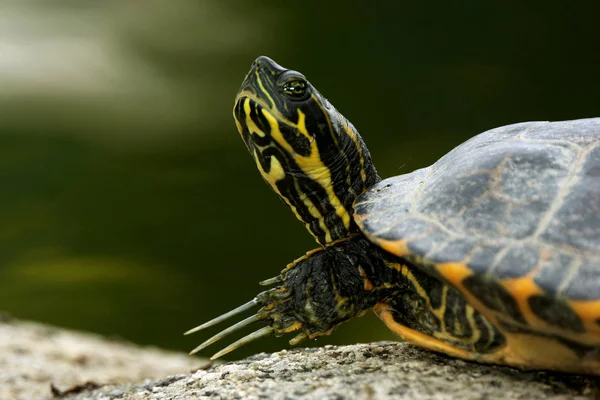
(296, 89)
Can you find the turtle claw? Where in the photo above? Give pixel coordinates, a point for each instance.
(271, 281)
(255, 301)
(262, 332)
(225, 316)
(308, 300)
(301, 337)
(225, 332)
(275, 309)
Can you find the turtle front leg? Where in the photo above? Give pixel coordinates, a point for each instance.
(316, 294)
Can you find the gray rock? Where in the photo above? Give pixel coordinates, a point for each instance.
(36, 359)
(363, 371)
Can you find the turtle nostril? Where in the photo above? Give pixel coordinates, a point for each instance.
(262, 60)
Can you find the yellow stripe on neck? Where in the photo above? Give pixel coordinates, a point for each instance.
(312, 166)
(252, 127)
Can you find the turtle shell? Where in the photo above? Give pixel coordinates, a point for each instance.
(511, 218)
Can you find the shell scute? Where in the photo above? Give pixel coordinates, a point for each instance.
(556, 312)
(585, 284)
(494, 296)
(518, 262)
(505, 197)
(512, 219)
(454, 250)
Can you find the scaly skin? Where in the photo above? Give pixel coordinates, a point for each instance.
(328, 287)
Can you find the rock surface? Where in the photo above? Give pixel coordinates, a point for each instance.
(33, 356)
(362, 371)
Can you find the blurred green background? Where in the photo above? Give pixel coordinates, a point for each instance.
(129, 205)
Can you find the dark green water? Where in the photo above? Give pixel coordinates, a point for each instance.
(129, 205)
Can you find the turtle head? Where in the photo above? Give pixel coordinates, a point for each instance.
(309, 154)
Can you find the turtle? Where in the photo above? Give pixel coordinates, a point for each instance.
(491, 254)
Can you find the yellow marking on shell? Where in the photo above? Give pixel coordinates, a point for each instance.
(312, 166)
(521, 289)
(396, 247)
(521, 350)
(454, 273)
(382, 310)
(540, 352)
(589, 312)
